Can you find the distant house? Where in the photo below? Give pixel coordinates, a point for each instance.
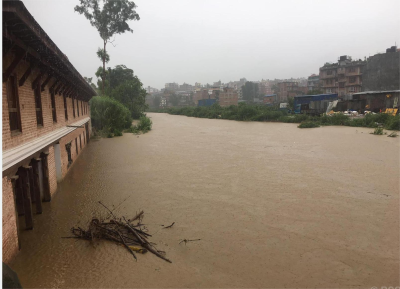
(228, 97)
(270, 99)
(313, 82)
(343, 77)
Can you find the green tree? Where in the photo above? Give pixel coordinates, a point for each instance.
(119, 75)
(108, 114)
(291, 103)
(110, 19)
(89, 81)
(99, 74)
(132, 94)
(250, 91)
(157, 101)
(174, 99)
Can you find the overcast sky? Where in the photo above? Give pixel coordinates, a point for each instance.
(209, 40)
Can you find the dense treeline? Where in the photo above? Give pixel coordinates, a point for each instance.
(124, 98)
(245, 112)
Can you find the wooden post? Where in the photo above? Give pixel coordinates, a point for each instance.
(19, 195)
(14, 181)
(46, 177)
(36, 185)
(18, 57)
(31, 186)
(23, 173)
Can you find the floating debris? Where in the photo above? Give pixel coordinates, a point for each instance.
(130, 233)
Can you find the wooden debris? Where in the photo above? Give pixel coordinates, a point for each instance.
(128, 233)
(170, 226)
(186, 241)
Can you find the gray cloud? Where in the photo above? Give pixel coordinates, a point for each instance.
(209, 40)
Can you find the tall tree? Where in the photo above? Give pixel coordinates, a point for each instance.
(157, 101)
(132, 94)
(110, 19)
(250, 91)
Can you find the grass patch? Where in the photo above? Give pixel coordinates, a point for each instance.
(308, 124)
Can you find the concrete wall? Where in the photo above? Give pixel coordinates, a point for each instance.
(381, 72)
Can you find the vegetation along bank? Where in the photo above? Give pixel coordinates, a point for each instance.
(246, 112)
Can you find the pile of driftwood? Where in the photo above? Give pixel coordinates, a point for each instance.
(131, 233)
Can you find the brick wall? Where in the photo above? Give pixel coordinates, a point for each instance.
(64, 155)
(30, 130)
(227, 98)
(10, 239)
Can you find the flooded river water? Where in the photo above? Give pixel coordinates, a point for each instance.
(274, 206)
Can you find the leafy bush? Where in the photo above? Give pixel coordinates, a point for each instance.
(109, 115)
(144, 125)
(335, 119)
(308, 124)
(378, 131)
(117, 133)
(297, 118)
(393, 123)
(248, 112)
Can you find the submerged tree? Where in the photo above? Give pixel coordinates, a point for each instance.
(109, 20)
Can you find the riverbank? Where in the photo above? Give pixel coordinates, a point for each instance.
(245, 112)
(273, 205)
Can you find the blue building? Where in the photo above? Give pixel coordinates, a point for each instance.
(207, 102)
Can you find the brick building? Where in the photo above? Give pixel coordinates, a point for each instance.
(200, 94)
(228, 97)
(270, 99)
(173, 86)
(46, 122)
(284, 88)
(343, 77)
(382, 71)
(313, 82)
(264, 88)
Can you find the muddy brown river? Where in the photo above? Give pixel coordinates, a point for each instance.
(274, 206)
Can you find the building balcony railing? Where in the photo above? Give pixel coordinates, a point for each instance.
(353, 73)
(353, 84)
(333, 75)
